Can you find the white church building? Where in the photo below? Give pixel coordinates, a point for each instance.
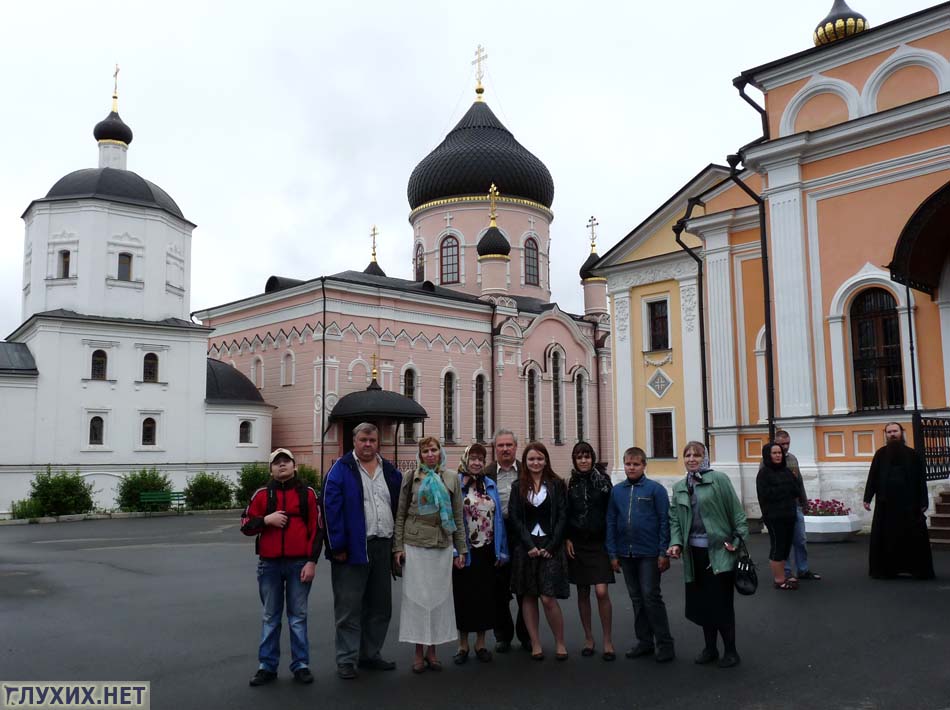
(107, 373)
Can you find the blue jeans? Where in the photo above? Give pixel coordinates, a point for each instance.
(276, 580)
(798, 546)
(650, 621)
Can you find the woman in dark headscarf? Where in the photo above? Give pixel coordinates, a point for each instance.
(588, 494)
(778, 494)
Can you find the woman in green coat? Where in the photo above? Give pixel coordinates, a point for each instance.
(706, 524)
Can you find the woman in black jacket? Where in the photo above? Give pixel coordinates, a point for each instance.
(778, 494)
(537, 514)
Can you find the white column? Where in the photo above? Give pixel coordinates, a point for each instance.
(944, 307)
(720, 318)
(692, 367)
(789, 270)
(623, 375)
(839, 374)
(905, 356)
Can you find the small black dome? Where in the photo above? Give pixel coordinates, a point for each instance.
(480, 151)
(226, 384)
(113, 184)
(493, 243)
(279, 283)
(374, 269)
(112, 128)
(841, 22)
(588, 265)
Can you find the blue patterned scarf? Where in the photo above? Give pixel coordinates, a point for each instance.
(433, 497)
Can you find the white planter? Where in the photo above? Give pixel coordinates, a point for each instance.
(830, 528)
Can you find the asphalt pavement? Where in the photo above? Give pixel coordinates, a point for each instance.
(173, 600)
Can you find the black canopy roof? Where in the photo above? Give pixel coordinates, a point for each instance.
(376, 403)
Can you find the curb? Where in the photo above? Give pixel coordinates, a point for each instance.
(120, 516)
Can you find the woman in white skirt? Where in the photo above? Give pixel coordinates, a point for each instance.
(429, 533)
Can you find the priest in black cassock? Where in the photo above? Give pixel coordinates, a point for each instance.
(899, 540)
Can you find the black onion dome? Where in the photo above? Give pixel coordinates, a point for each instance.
(841, 22)
(374, 269)
(588, 265)
(493, 243)
(226, 384)
(112, 128)
(480, 151)
(113, 184)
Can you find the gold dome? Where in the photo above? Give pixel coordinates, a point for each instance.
(841, 22)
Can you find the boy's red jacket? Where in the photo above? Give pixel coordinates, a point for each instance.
(302, 536)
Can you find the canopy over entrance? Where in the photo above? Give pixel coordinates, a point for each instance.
(376, 406)
(924, 245)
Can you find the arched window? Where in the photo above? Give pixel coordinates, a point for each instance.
(287, 374)
(244, 432)
(96, 430)
(579, 404)
(148, 431)
(532, 405)
(99, 365)
(531, 271)
(556, 395)
(150, 368)
(449, 260)
(480, 409)
(409, 390)
(125, 267)
(876, 351)
(448, 407)
(257, 372)
(64, 264)
(419, 263)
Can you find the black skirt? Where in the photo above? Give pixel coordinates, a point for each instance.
(709, 596)
(473, 589)
(590, 565)
(539, 576)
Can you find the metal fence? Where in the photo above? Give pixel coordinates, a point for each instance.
(935, 433)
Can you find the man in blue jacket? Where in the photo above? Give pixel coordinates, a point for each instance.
(638, 534)
(360, 496)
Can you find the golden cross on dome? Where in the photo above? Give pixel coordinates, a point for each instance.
(591, 223)
(492, 196)
(115, 89)
(374, 233)
(480, 57)
(375, 373)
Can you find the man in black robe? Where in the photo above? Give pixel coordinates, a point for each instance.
(899, 540)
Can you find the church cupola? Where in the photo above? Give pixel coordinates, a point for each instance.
(374, 269)
(112, 133)
(840, 23)
(595, 287)
(493, 252)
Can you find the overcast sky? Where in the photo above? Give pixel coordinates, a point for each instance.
(285, 130)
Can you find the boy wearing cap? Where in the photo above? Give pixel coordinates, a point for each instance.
(285, 517)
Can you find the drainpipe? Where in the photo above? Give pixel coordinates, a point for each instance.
(740, 83)
(734, 161)
(678, 231)
(600, 430)
(916, 421)
(323, 375)
(491, 406)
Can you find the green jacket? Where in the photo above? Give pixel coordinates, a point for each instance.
(723, 517)
(411, 528)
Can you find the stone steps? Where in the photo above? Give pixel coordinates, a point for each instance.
(940, 522)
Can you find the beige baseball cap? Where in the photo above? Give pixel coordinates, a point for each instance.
(286, 452)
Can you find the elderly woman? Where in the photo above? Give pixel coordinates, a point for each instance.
(706, 524)
(473, 585)
(537, 512)
(588, 495)
(778, 493)
(428, 525)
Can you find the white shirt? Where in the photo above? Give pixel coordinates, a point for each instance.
(504, 478)
(377, 503)
(536, 499)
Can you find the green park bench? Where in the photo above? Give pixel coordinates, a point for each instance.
(173, 498)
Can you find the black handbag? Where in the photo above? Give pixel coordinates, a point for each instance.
(747, 580)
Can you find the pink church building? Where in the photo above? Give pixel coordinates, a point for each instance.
(473, 338)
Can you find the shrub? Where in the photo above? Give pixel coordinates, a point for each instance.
(208, 491)
(251, 477)
(137, 482)
(26, 509)
(61, 493)
(311, 476)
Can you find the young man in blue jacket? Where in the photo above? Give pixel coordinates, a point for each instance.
(638, 534)
(360, 496)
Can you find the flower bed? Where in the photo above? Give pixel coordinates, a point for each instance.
(829, 521)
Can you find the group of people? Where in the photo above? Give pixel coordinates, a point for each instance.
(466, 541)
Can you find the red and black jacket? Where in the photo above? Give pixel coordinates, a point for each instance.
(302, 536)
